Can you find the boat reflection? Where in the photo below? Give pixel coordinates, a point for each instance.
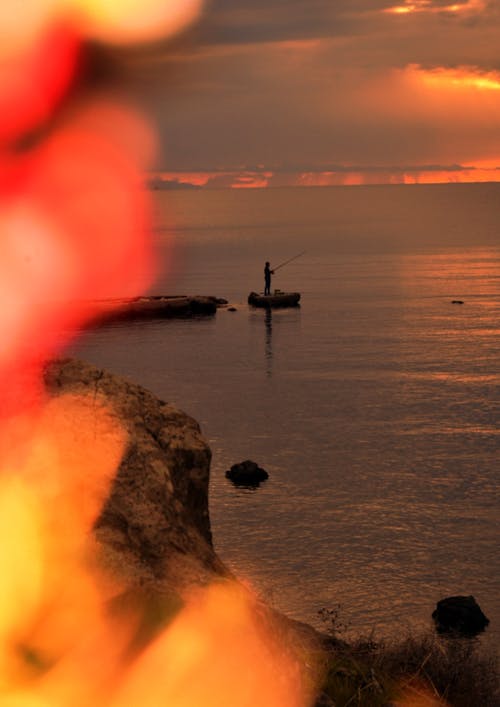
(268, 320)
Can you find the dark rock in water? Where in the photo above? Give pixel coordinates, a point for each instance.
(220, 301)
(153, 307)
(247, 473)
(459, 615)
(232, 309)
(457, 301)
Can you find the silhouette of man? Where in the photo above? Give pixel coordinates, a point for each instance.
(267, 278)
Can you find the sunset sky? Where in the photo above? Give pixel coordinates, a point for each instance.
(269, 92)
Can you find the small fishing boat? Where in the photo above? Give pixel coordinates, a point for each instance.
(277, 299)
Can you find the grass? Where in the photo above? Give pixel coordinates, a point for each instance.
(418, 670)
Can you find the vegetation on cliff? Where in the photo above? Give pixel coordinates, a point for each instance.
(418, 670)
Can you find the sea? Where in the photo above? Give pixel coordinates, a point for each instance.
(374, 407)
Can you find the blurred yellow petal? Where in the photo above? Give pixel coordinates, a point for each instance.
(215, 653)
(21, 555)
(129, 21)
(24, 699)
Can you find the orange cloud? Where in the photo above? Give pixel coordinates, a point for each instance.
(234, 179)
(453, 114)
(414, 175)
(461, 78)
(481, 171)
(412, 6)
(252, 181)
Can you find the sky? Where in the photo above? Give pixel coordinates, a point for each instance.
(273, 92)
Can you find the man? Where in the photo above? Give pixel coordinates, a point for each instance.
(267, 278)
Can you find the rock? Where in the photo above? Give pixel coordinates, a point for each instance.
(154, 307)
(232, 309)
(457, 301)
(247, 473)
(154, 529)
(461, 615)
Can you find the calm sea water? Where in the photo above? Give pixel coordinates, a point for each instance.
(375, 407)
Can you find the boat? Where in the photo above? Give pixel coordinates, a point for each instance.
(277, 299)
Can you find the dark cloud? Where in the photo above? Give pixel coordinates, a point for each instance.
(324, 83)
(253, 21)
(257, 21)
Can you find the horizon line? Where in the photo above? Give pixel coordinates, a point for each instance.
(261, 178)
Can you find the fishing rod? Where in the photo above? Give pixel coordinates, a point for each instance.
(288, 261)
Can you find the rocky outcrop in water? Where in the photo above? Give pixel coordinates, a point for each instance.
(154, 529)
(247, 473)
(155, 307)
(460, 615)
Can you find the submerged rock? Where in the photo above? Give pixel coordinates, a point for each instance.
(461, 615)
(247, 473)
(154, 528)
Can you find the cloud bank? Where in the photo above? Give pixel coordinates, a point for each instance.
(284, 82)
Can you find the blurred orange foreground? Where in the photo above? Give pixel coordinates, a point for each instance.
(74, 228)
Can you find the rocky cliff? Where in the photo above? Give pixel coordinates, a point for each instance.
(154, 529)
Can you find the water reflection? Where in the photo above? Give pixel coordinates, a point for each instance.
(268, 320)
(456, 276)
